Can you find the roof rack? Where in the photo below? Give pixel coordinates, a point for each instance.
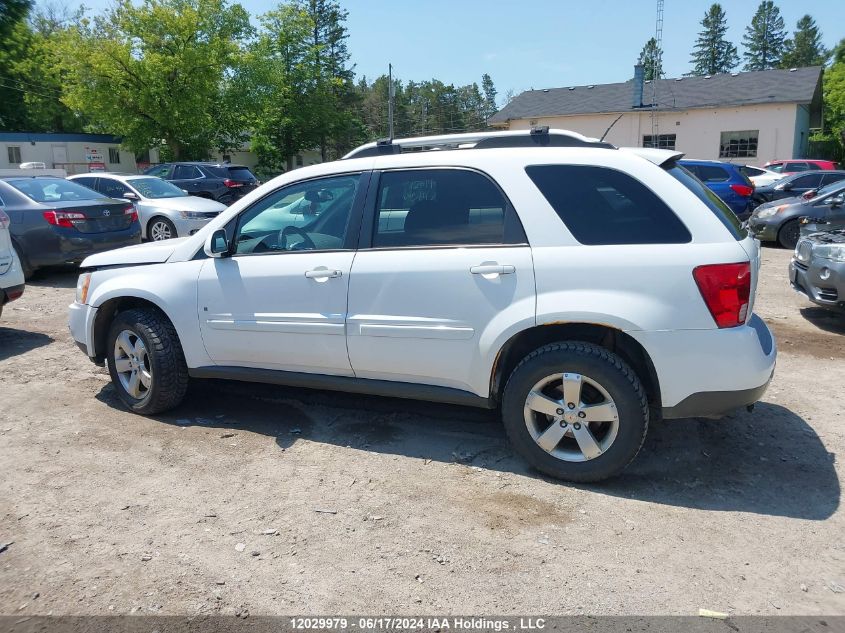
(535, 137)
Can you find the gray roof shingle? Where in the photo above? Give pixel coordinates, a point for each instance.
(749, 88)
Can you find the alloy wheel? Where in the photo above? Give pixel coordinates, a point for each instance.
(160, 231)
(132, 364)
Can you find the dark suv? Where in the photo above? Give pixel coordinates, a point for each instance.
(218, 181)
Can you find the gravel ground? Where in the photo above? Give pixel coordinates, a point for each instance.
(278, 501)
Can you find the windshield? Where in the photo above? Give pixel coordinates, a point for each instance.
(713, 202)
(156, 188)
(53, 190)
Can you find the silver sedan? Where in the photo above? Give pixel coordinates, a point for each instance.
(164, 210)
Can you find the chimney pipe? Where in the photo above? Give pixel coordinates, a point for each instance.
(639, 75)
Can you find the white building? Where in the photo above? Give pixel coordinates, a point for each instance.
(750, 117)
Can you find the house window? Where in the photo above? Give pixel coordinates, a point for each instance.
(14, 155)
(299, 160)
(741, 144)
(114, 156)
(663, 141)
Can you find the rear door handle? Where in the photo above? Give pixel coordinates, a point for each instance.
(492, 269)
(322, 273)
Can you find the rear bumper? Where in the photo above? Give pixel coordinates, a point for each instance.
(55, 247)
(710, 372)
(807, 279)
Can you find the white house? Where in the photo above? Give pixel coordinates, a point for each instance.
(749, 117)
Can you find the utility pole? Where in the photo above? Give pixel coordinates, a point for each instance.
(390, 101)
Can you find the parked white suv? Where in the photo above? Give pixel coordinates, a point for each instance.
(11, 273)
(581, 288)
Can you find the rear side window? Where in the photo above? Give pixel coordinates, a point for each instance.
(712, 173)
(799, 167)
(751, 171)
(806, 182)
(87, 181)
(186, 172)
(604, 206)
(831, 178)
(713, 202)
(437, 207)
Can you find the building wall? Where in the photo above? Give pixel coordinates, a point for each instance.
(698, 132)
(74, 156)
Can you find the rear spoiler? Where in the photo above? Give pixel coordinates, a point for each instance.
(660, 157)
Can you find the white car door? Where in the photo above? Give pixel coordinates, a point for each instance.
(279, 301)
(442, 266)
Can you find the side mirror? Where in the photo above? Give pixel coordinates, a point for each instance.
(837, 202)
(787, 186)
(216, 245)
(184, 191)
(131, 196)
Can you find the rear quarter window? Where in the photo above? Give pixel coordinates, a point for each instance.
(710, 199)
(603, 206)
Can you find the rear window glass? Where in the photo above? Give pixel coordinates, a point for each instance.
(53, 190)
(604, 206)
(241, 174)
(712, 173)
(713, 202)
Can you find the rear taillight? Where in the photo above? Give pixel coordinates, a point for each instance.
(743, 190)
(725, 289)
(66, 219)
(4, 220)
(232, 183)
(132, 212)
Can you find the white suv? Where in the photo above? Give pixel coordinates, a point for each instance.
(581, 288)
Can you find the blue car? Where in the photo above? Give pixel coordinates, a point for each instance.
(727, 182)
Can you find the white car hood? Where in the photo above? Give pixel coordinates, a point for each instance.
(149, 253)
(183, 203)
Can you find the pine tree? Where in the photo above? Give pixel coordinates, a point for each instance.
(650, 58)
(805, 48)
(764, 38)
(713, 53)
(490, 93)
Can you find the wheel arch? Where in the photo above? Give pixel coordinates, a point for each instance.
(153, 218)
(106, 313)
(611, 338)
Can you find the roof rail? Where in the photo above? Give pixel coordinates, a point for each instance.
(535, 137)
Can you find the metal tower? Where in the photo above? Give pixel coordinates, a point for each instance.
(658, 68)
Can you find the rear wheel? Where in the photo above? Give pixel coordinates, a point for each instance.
(27, 269)
(161, 229)
(789, 233)
(146, 362)
(575, 411)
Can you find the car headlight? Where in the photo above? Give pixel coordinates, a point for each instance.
(82, 285)
(770, 211)
(833, 252)
(192, 215)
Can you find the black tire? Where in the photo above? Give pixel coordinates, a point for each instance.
(789, 233)
(26, 267)
(164, 221)
(600, 365)
(165, 360)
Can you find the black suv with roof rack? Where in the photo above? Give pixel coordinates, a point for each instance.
(217, 181)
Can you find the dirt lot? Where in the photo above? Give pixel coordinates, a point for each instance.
(276, 501)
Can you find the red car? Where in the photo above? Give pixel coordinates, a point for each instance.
(795, 165)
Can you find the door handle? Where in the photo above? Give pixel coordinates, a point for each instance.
(492, 269)
(322, 273)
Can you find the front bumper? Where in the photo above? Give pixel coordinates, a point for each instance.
(80, 322)
(706, 373)
(764, 230)
(186, 228)
(822, 281)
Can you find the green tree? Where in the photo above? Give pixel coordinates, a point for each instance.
(156, 73)
(838, 52)
(12, 12)
(651, 58)
(834, 100)
(489, 89)
(805, 47)
(764, 38)
(713, 53)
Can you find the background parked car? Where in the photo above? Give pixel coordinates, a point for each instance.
(725, 180)
(780, 220)
(817, 269)
(164, 210)
(793, 166)
(760, 176)
(217, 181)
(55, 221)
(11, 275)
(796, 185)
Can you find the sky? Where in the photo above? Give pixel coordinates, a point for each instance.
(537, 43)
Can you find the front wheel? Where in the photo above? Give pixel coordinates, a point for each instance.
(161, 229)
(146, 362)
(575, 411)
(789, 233)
